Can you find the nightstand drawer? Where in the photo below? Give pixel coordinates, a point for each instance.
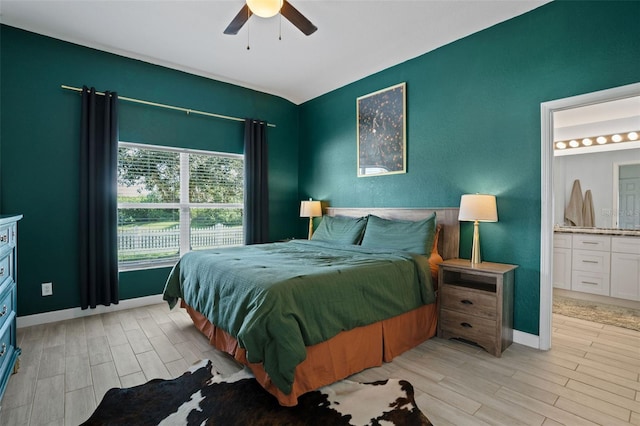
(469, 301)
(479, 330)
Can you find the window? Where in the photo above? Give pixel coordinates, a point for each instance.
(173, 200)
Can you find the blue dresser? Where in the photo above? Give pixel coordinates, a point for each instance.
(9, 350)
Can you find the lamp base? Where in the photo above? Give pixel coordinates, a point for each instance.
(310, 227)
(475, 248)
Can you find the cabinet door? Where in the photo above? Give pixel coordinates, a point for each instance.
(625, 276)
(562, 268)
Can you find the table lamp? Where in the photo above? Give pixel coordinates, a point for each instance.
(310, 209)
(477, 208)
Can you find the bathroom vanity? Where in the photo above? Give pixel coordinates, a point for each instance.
(599, 261)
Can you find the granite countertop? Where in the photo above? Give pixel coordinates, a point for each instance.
(600, 231)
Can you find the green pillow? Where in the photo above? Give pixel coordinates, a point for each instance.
(340, 230)
(415, 237)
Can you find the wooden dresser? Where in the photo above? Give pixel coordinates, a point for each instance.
(476, 303)
(9, 351)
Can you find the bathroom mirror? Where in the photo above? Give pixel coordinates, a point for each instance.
(598, 146)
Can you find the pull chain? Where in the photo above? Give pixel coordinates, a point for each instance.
(280, 28)
(248, 27)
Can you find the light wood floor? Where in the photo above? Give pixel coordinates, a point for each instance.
(591, 376)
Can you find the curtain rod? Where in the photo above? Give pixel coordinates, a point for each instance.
(175, 108)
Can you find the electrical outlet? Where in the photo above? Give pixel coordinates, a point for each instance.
(47, 289)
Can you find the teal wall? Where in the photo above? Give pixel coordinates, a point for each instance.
(40, 126)
(473, 125)
(473, 117)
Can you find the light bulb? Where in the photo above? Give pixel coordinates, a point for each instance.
(574, 143)
(587, 142)
(561, 145)
(616, 138)
(265, 8)
(633, 136)
(601, 140)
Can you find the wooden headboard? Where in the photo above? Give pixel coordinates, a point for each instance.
(449, 241)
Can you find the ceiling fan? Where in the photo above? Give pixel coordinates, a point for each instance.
(267, 9)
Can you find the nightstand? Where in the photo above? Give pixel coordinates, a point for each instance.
(476, 303)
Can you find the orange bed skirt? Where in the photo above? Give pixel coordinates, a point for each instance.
(341, 356)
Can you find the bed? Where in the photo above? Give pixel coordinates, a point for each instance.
(304, 314)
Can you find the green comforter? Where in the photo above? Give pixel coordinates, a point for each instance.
(277, 298)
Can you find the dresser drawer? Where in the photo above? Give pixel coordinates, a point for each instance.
(591, 261)
(6, 303)
(6, 267)
(469, 302)
(629, 245)
(591, 242)
(478, 330)
(7, 349)
(6, 235)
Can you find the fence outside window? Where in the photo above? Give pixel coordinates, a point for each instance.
(143, 240)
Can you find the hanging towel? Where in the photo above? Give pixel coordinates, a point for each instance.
(573, 212)
(588, 215)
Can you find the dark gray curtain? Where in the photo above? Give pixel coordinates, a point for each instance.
(98, 199)
(256, 192)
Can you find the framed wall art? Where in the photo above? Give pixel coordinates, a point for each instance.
(381, 130)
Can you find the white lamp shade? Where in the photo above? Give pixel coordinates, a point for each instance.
(480, 207)
(265, 8)
(310, 209)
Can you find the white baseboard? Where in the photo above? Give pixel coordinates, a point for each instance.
(526, 339)
(65, 314)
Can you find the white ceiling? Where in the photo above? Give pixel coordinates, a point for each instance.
(621, 115)
(354, 38)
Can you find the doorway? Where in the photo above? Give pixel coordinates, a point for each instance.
(547, 110)
(628, 195)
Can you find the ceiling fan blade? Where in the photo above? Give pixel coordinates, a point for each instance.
(297, 18)
(241, 18)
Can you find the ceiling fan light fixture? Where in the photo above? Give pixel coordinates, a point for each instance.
(265, 8)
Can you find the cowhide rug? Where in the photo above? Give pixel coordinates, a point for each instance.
(199, 397)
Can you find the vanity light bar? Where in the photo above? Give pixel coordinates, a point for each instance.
(598, 140)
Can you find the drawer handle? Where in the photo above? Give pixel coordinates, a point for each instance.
(466, 302)
(4, 311)
(590, 261)
(589, 282)
(4, 238)
(590, 242)
(466, 325)
(4, 350)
